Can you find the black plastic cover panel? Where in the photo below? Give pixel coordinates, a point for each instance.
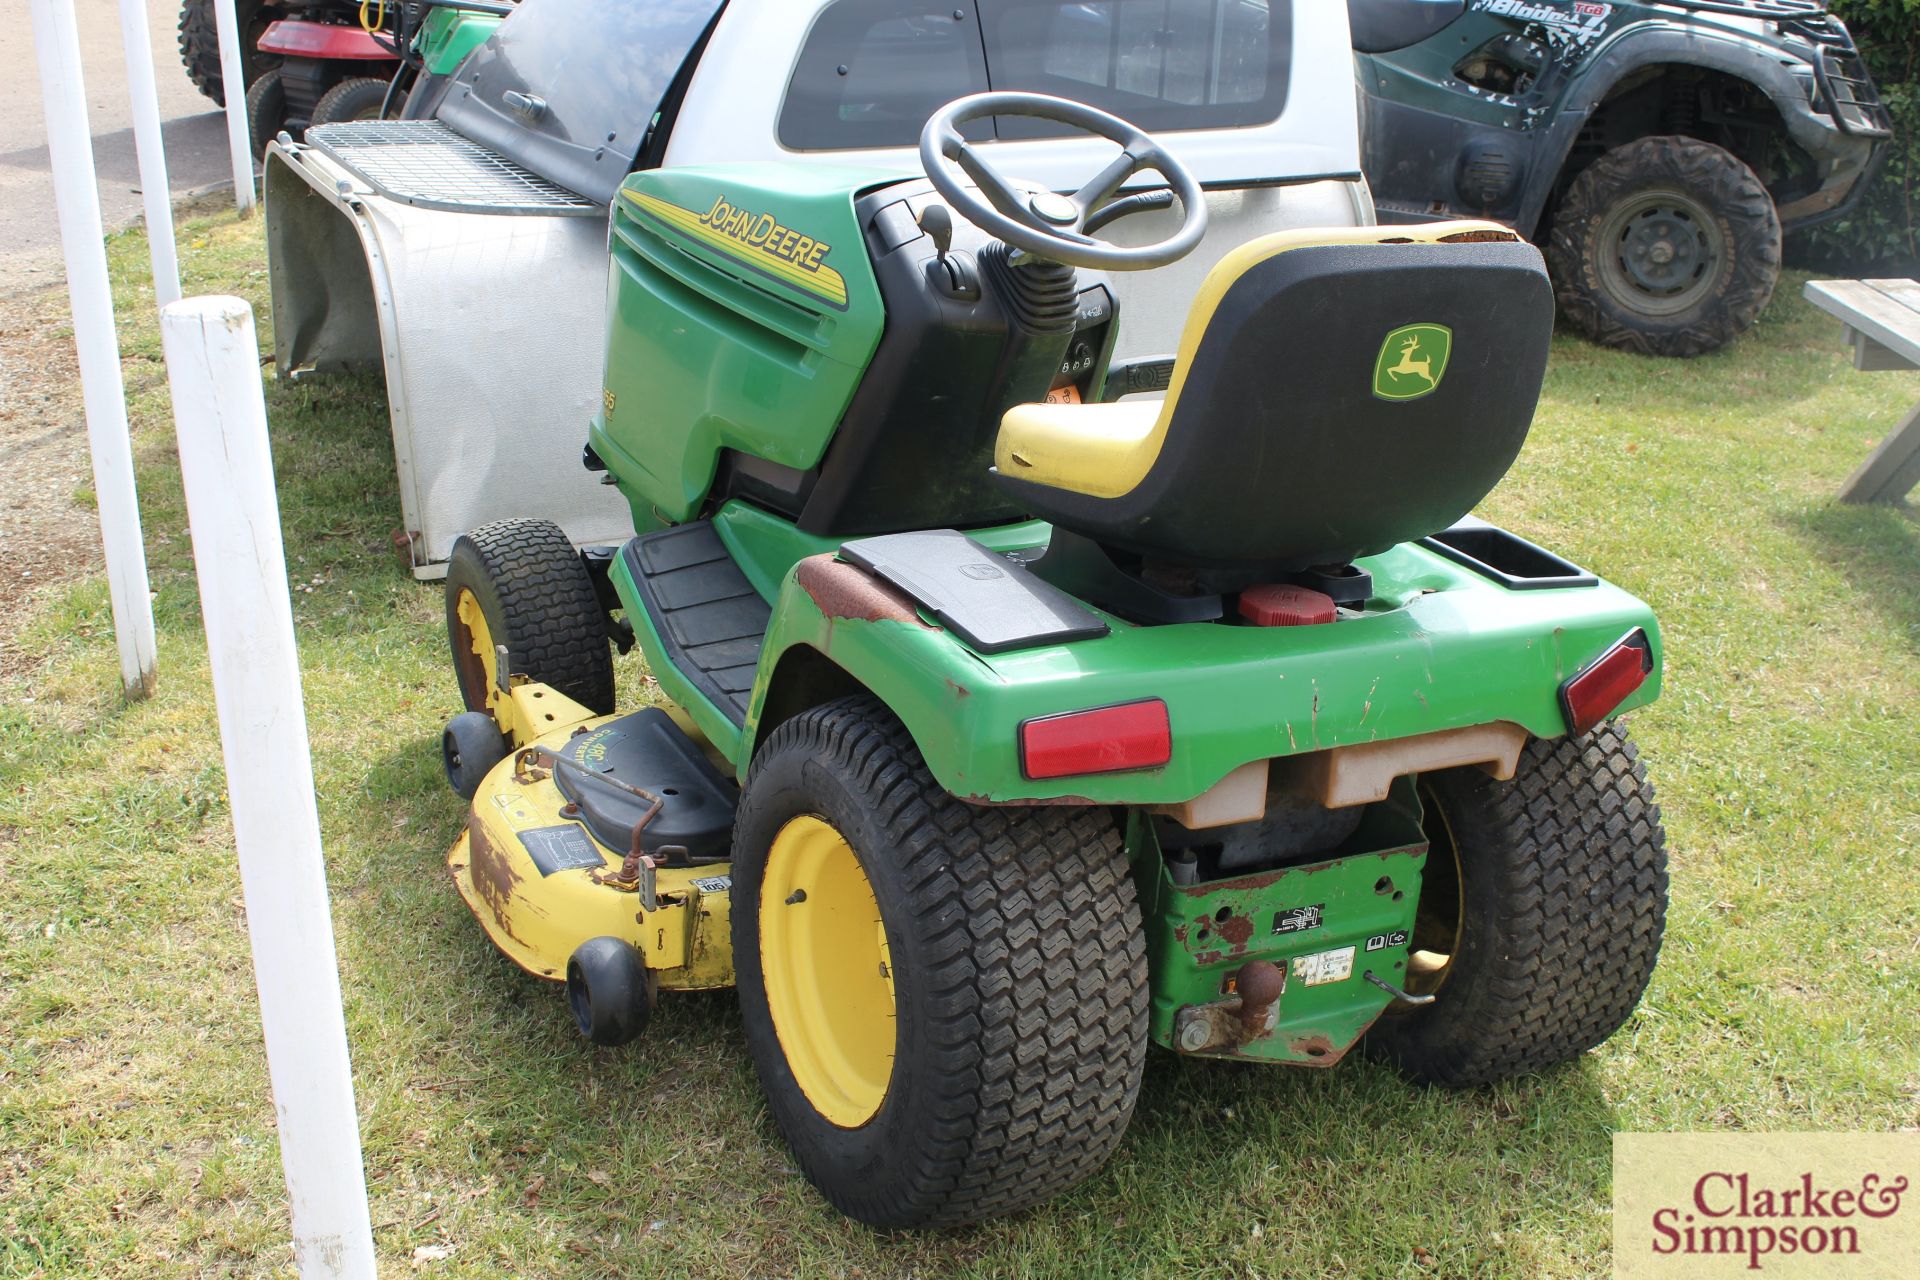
(1381, 26)
(648, 750)
(989, 601)
(567, 88)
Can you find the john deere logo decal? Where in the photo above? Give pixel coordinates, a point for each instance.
(756, 240)
(1412, 361)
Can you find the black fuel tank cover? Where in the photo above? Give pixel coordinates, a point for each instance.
(648, 750)
(992, 603)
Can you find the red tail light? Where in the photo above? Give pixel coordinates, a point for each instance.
(1134, 735)
(1603, 684)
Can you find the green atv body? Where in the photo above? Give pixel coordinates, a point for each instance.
(1162, 812)
(1658, 149)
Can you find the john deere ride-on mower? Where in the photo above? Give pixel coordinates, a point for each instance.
(1013, 728)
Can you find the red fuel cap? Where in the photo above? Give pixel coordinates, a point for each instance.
(1281, 604)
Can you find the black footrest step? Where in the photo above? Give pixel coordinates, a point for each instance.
(708, 615)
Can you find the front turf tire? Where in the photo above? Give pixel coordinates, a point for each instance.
(1693, 202)
(1548, 895)
(521, 584)
(1018, 971)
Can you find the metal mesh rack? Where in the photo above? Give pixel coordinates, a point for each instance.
(426, 164)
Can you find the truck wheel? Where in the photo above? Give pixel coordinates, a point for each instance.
(946, 1003)
(1665, 246)
(520, 583)
(1540, 914)
(358, 99)
(266, 110)
(200, 43)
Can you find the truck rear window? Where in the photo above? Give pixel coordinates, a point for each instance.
(1160, 64)
(870, 74)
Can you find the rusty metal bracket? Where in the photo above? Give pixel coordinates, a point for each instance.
(1250, 1012)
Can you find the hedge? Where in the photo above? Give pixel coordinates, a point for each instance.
(1880, 236)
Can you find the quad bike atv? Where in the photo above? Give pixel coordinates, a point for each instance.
(1012, 729)
(1659, 149)
(321, 63)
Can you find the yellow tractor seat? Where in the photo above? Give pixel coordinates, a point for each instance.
(1336, 391)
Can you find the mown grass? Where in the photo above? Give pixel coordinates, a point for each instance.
(136, 1131)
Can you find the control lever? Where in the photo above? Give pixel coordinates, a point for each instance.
(1131, 377)
(950, 273)
(1126, 206)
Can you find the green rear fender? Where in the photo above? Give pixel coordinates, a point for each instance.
(1454, 651)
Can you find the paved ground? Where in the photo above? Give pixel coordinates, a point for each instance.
(195, 133)
(47, 522)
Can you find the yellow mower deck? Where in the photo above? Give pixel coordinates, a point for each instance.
(538, 919)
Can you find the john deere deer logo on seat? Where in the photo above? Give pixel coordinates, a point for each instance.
(1412, 360)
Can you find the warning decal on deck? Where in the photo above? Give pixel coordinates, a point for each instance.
(562, 848)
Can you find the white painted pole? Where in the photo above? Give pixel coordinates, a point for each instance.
(226, 466)
(155, 195)
(233, 81)
(56, 43)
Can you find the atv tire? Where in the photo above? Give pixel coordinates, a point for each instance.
(1666, 246)
(266, 110)
(536, 598)
(1016, 962)
(1548, 896)
(357, 99)
(200, 44)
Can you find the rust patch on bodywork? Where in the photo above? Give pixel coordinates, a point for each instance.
(1315, 1050)
(494, 878)
(843, 591)
(1235, 930)
(1026, 802)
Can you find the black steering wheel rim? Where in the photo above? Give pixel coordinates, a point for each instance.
(1045, 224)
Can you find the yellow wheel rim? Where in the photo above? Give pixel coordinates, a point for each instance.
(475, 655)
(828, 971)
(1441, 921)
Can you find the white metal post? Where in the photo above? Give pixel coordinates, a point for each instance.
(155, 195)
(56, 43)
(233, 82)
(226, 465)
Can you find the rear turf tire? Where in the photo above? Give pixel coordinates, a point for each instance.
(535, 596)
(1548, 895)
(1018, 972)
(1724, 227)
(357, 99)
(200, 43)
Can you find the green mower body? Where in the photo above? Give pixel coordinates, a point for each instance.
(813, 385)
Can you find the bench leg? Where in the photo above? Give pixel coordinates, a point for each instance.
(1891, 470)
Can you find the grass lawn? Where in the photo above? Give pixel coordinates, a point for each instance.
(136, 1131)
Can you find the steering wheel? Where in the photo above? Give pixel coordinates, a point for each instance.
(1045, 224)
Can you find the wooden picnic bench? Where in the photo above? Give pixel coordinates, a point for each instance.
(1883, 324)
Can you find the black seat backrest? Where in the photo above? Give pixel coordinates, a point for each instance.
(1381, 26)
(1341, 398)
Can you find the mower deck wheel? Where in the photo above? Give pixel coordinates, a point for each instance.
(608, 991)
(521, 584)
(469, 748)
(946, 1003)
(1541, 913)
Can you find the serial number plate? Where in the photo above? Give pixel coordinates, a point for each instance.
(1324, 966)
